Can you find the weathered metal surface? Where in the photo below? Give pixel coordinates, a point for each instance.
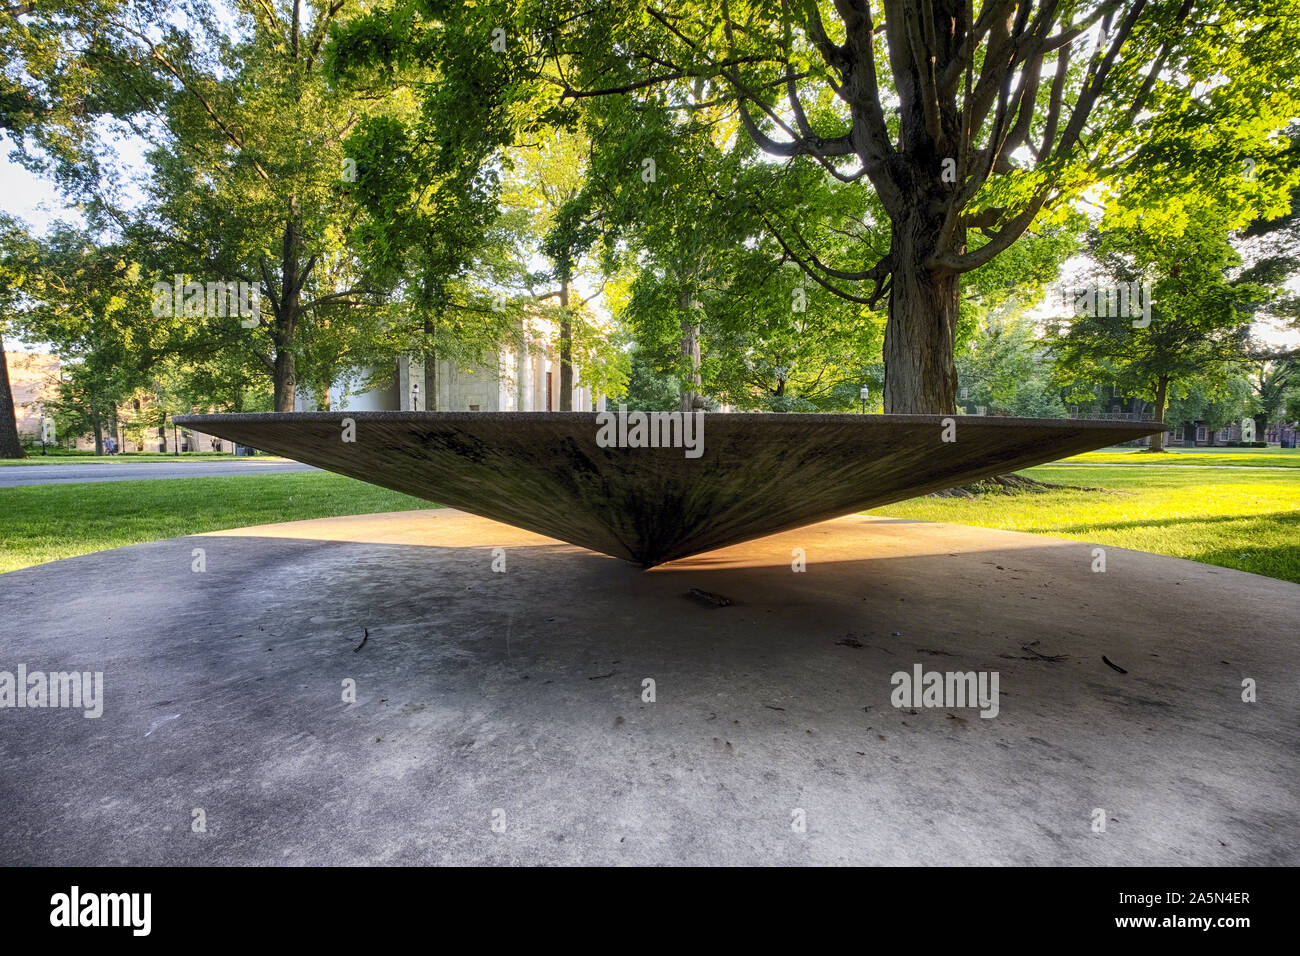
(757, 474)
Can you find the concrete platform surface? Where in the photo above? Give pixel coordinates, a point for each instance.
(502, 716)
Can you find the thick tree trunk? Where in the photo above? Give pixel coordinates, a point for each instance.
(286, 324)
(430, 382)
(690, 347)
(286, 381)
(99, 434)
(10, 446)
(566, 350)
(1162, 395)
(430, 360)
(691, 353)
(920, 371)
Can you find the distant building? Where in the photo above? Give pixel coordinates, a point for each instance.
(512, 379)
(1113, 405)
(33, 380)
(523, 378)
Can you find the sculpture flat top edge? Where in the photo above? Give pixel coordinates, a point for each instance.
(771, 418)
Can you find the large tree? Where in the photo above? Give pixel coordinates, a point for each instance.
(969, 121)
(721, 304)
(697, 226)
(1273, 373)
(429, 176)
(248, 176)
(541, 208)
(1199, 320)
(1000, 371)
(18, 260)
(91, 303)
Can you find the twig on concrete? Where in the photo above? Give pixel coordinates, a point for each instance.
(1112, 665)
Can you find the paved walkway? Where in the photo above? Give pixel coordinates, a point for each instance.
(520, 698)
(15, 475)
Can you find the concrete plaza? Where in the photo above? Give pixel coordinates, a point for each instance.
(501, 716)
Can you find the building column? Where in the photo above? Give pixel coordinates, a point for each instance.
(524, 376)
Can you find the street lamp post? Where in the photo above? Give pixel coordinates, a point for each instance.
(176, 441)
(863, 394)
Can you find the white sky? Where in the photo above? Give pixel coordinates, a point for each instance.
(31, 198)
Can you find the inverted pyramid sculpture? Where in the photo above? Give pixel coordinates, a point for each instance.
(755, 474)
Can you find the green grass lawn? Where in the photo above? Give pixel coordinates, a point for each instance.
(1238, 519)
(46, 522)
(1235, 519)
(1243, 457)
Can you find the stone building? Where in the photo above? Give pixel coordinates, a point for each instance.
(524, 377)
(33, 377)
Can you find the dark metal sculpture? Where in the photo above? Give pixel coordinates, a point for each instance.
(575, 476)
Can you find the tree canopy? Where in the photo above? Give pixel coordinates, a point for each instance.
(969, 123)
(769, 205)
